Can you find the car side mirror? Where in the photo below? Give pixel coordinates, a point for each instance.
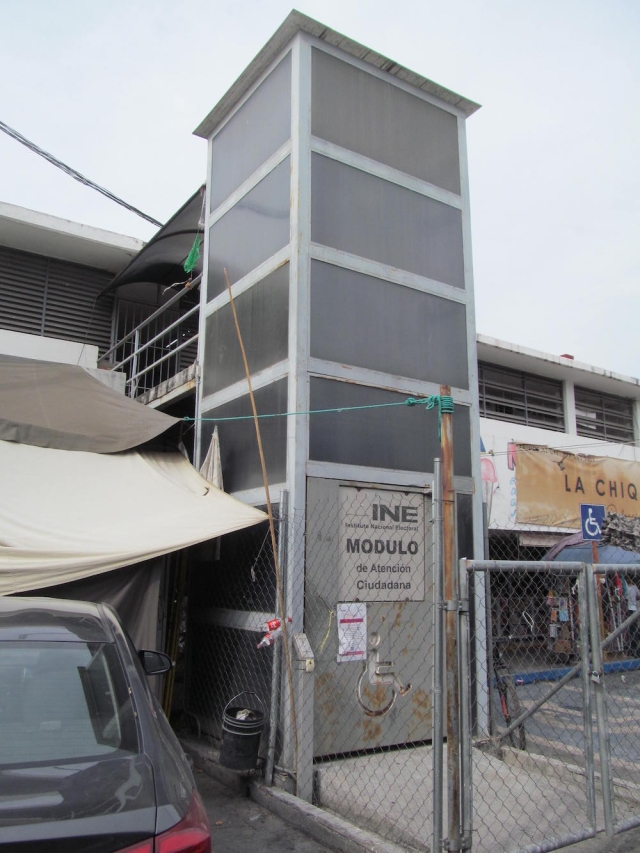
(155, 663)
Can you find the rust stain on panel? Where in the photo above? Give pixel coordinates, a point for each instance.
(372, 731)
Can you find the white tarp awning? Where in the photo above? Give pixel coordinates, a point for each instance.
(63, 406)
(66, 514)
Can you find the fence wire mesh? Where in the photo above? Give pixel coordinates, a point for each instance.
(540, 767)
(364, 716)
(355, 736)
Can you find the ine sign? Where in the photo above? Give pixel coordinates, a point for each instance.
(382, 545)
(591, 520)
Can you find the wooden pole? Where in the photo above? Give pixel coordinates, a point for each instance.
(272, 528)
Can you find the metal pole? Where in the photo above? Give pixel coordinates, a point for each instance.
(597, 679)
(587, 710)
(488, 605)
(438, 655)
(481, 623)
(276, 669)
(451, 620)
(465, 707)
(133, 387)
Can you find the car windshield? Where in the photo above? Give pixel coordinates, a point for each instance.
(62, 701)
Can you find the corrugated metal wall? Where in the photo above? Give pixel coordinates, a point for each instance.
(45, 296)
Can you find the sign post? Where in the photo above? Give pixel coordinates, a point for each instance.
(592, 517)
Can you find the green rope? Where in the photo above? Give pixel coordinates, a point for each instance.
(444, 405)
(194, 255)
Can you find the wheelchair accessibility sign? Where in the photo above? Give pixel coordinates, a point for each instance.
(592, 517)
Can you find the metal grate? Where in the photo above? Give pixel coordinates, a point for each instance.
(603, 416)
(520, 398)
(45, 296)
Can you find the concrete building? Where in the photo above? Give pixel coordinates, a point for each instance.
(337, 209)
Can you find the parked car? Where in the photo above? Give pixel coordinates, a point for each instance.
(88, 761)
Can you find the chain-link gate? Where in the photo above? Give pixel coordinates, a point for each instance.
(559, 694)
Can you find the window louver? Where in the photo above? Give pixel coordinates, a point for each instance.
(45, 296)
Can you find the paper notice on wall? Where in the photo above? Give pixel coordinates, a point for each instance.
(352, 631)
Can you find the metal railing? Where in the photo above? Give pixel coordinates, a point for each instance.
(153, 352)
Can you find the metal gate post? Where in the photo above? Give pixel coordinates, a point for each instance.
(465, 706)
(587, 710)
(597, 681)
(438, 658)
(451, 622)
(276, 670)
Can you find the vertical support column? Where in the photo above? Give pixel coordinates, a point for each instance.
(298, 394)
(597, 680)
(481, 710)
(451, 619)
(438, 658)
(202, 320)
(298, 348)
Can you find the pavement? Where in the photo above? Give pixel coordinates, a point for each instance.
(380, 803)
(247, 816)
(240, 825)
(624, 842)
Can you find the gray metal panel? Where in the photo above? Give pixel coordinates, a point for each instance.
(253, 230)
(405, 629)
(252, 134)
(296, 22)
(364, 321)
(355, 109)
(241, 467)
(362, 214)
(263, 317)
(399, 437)
(464, 522)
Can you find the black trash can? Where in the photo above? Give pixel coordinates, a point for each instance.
(241, 732)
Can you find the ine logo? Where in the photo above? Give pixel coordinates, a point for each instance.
(382, 512)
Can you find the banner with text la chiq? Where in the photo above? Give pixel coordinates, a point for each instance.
(551, 485)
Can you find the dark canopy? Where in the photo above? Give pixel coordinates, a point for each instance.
(161, 261)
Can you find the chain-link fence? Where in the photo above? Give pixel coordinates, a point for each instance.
(353, 735)
(549, 753)
(557, 760)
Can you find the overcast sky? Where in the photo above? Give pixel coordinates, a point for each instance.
(114, 88)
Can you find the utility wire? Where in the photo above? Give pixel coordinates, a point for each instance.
(73, 174)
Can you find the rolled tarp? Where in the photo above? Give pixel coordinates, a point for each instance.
(62, 406)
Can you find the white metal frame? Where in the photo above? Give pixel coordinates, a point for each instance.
(300, 367)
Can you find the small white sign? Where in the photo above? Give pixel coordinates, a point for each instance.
(352, 631)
